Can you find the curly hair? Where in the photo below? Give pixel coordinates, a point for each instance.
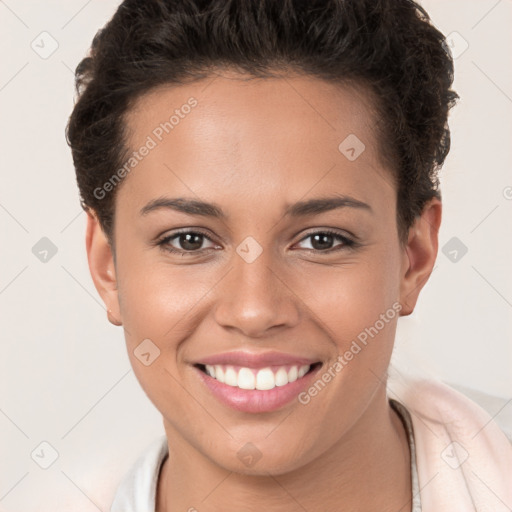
(389, 47)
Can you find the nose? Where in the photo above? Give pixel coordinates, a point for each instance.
(255, 297)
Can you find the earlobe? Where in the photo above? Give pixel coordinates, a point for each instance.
(102, 268)
(419, 255)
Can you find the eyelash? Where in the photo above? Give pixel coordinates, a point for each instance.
(347, 243)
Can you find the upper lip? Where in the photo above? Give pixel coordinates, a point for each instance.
(256, 360)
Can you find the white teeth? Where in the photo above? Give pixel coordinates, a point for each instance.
(281, 377)
(263, 380)
(293, 373)
(246, 379)
(219, 373)
(230, 377)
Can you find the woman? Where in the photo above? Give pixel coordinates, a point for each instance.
(261, 186)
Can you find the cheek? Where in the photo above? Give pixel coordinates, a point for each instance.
(349, 299)
(154, 300)
(358, 307)
(162, 301)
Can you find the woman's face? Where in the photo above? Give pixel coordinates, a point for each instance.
(289, 260)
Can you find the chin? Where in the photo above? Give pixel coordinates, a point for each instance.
(251, 461)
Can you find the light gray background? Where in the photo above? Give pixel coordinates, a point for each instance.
(64, 372)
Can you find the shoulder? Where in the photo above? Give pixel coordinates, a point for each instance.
(438, 402)
(137, 490)
(500, 409)
(464, 458)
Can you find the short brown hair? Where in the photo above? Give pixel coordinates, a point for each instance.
(389, 46)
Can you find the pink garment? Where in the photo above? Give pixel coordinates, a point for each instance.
(464, 459)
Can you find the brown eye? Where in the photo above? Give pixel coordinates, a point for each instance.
(323, 241)
(190, 241)
(185, 242)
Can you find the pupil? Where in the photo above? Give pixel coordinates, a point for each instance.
(187, 242)
(325, 241)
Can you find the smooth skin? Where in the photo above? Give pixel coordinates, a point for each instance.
(254, 147)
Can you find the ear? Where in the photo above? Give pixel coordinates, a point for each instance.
(102, 268)
(419, 255)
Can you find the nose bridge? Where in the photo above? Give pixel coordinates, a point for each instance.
(254, 298)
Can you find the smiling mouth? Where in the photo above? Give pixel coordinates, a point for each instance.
(262, 379)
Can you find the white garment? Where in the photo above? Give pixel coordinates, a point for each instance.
(460, 460)
(137, 491)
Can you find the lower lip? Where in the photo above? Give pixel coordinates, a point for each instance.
(255, 400)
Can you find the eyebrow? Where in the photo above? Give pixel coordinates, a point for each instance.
(300, 209)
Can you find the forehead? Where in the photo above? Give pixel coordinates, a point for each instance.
(248, 138)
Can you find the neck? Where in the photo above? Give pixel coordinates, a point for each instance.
(374, 455)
